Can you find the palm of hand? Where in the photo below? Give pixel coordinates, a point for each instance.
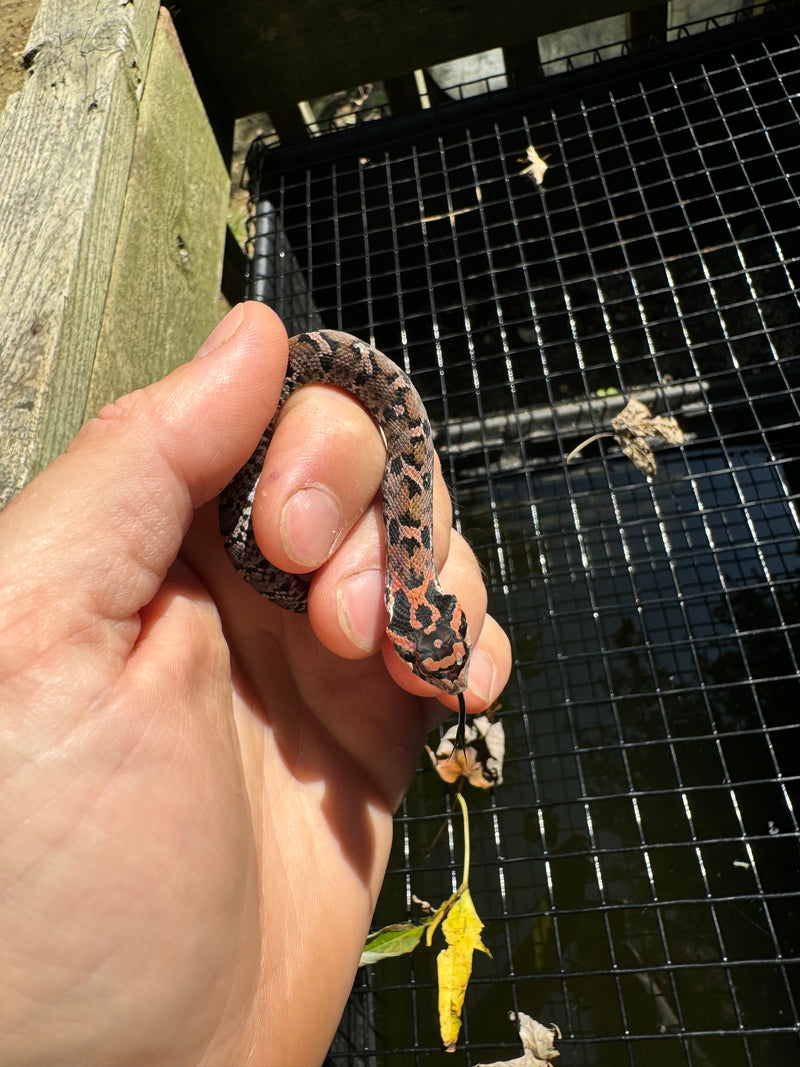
(198, 838)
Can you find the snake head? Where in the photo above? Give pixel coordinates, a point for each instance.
(429, 632)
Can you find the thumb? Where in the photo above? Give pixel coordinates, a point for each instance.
(94, 533)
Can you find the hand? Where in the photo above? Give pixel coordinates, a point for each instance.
(197, 786)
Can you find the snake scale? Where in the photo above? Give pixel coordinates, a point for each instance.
(427, 627)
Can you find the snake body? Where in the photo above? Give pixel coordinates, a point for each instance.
(427, 626)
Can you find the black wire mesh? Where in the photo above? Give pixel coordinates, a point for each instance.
(638, 872)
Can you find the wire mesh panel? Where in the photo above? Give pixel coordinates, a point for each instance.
(638, 870)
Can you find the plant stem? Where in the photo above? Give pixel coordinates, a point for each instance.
(465, 876)
(440, 831)
(588, 441)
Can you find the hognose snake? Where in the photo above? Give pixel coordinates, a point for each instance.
(427, 627)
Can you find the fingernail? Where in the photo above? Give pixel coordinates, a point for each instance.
(481, 675)
(361, 610)
(310, 525)
(222, 332)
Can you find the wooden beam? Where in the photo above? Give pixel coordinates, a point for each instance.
(523, 63)
(66, 143)
(164, 286)
(288, 122)
(267, 56)
(234, 270)
(402, 94)
(647, 27)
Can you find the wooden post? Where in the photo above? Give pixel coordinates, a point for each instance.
(164, 286)
(75, 235)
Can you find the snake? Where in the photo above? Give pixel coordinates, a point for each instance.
(427, 627)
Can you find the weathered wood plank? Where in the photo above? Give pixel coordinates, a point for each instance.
(266, 56)
(162, 298)
(66, 142)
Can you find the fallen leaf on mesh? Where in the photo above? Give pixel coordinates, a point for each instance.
(481, 761)
(462, 932)
(632, 428)
(536, 165)
(537, 1042)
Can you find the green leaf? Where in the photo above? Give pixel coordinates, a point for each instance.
(395, 940)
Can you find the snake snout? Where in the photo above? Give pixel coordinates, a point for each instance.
(443, 659)
(452, 681)
(432, 638)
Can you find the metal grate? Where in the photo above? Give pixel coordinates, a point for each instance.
(638, 872)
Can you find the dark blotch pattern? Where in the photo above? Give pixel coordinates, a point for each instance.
(427, 626)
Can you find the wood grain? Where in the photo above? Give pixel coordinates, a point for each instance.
(162, 297)
(66, 142)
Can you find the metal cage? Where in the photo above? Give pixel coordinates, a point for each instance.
(638, 870)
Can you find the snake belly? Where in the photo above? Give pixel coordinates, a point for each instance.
(427, 627)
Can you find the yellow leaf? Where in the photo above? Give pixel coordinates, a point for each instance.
(462, 931)
(437, 917)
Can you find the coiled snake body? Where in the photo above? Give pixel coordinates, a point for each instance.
(427, 626)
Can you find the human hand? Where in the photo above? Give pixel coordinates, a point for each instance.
(194, 830)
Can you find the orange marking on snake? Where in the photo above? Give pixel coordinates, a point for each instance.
(427, 627)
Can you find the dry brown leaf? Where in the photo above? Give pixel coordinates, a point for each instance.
(537, 1042)
(536, 166)
(481, 761)
(632, 428)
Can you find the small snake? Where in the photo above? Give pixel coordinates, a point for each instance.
(427, 627)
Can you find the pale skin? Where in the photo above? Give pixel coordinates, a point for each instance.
(198, 786)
